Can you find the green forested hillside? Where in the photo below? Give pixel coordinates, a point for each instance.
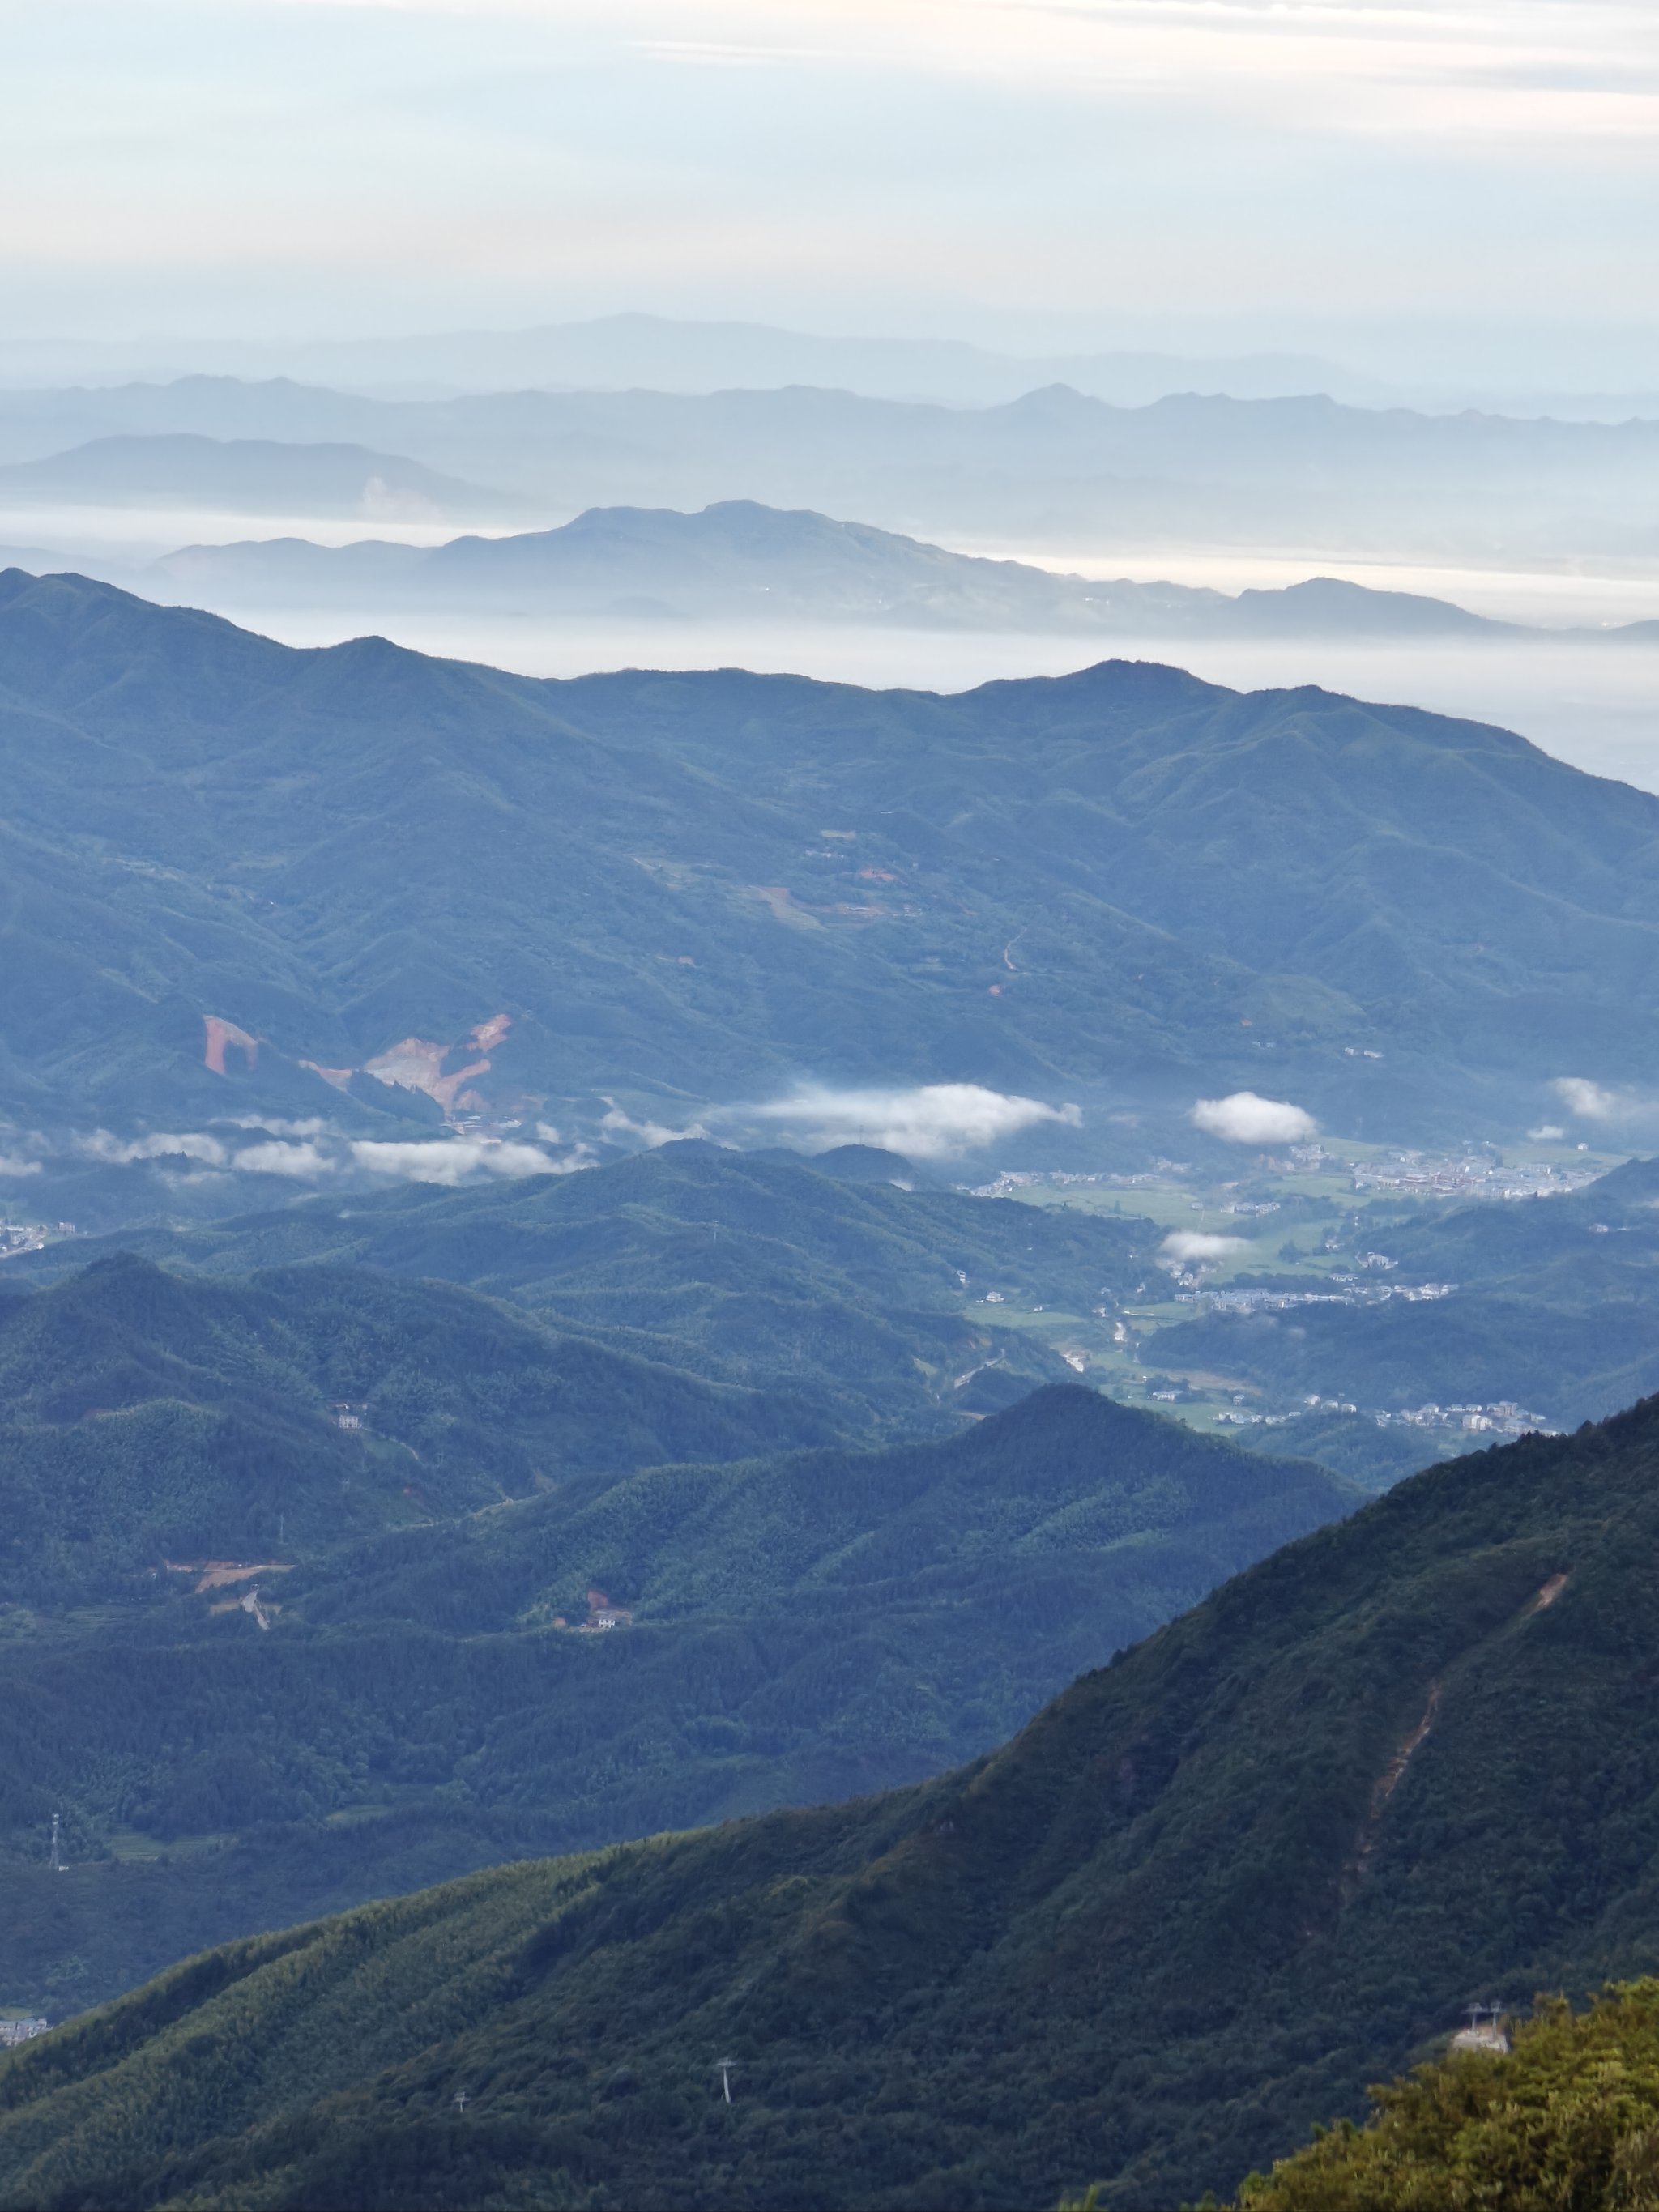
(1409, 1762)
(150, 1417)
(803, 1628)
(863, 1299)
(1570, 2117)
(685, 888)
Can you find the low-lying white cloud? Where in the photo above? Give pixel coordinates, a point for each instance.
(932, 1122)
(453, 1160)
(303, 1151)
(163, 1144)
(268, 1126)
(303, 1161)
(1592, 1102)
(1186, 1244)
(616, 1122)
(1244, 1118)
(1547, 1132)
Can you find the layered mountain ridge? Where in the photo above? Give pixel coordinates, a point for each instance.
(287, 862)
(1049, 467)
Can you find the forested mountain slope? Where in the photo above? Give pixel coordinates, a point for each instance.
(616, 1654)
(863, 1300)
(151, 1418)
(223, 854)
(1203, 1897)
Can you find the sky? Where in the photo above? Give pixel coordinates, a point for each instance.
(1436, 188)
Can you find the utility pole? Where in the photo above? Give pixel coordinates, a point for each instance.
(57, 1858)
(726, 2066)
(462, 2100)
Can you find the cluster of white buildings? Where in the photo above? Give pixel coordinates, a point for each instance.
(1351, 1291)
(1505, 1418)
(1470, 1176)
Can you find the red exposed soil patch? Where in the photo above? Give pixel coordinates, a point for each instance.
(1547, 1596)
(417, 1064)
(221, 1034)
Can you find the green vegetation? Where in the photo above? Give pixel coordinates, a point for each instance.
(804, 1628)
(1268, 1854)
(1570, 2117)
(152, 1417)
(337, 850)
(863, 1301)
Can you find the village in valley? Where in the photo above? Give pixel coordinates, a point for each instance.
(1302, 1227)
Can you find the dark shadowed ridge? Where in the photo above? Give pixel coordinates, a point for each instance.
(1201, 1900)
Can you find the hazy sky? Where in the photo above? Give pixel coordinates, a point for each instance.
(1289, 170)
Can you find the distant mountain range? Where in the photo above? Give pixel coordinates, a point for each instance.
(243, 878)
(626, 352)
(1050, 467)
(246, 475)
(1263, 1858)
(737, 560)
(629, 351)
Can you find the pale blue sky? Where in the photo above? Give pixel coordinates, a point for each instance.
(1365, 175)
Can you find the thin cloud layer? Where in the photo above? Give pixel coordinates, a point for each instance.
(304, 1162)
(933, 1121)
(616, 1122)
(196, 1144)
(309, 1158)
(453, 1160)
(1244, 1118)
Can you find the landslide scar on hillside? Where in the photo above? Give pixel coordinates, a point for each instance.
(417, 1064)
(222, 1035)
(1382, 1790)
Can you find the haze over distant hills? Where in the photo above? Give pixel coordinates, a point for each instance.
(246, 475)
(668, 354)
(1050, 467)
(617, 352)
(739, 560)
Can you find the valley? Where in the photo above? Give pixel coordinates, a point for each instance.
(450, 1477)
(828, 1109)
